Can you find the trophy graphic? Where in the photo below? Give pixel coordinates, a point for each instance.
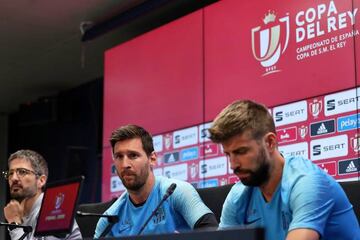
(315, 107)
(303, 130)
(354, 141)
(167, 141)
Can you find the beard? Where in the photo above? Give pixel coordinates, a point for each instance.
(260, 175)
(23, 193)
(137, 181)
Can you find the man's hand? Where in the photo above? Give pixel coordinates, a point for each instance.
(14, 212)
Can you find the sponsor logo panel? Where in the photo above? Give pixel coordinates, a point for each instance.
(286, 134)
(213, 167)
(290, 113)
(329, 147)
(171, 157)
(296, 149)
(355, 143)
(303, 131)
(178, 171)
(204, 133)
(314, 30)
(348, 123)
(208, 183)
(341, 102)
(328, 167)
(113, 170)
(158, 143)
(185, 137)
(349, 166)
(315, 107)
(209, 149)
(116, 184)
(322, 128)
(193, 170)
(223, 181)
(189, 154)
(168, 141)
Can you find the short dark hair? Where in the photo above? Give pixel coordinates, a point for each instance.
(240, 116)
(130, 132)
(36, 160)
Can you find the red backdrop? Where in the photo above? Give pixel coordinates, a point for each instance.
(291, 57)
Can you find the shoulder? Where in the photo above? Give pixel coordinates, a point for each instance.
(304, 180)
(114, 208)
(299, 166)
(181, 186)
(299, 171)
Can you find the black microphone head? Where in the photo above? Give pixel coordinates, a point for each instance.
(171, 189)
(81, 214)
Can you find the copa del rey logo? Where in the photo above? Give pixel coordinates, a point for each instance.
(270, 40)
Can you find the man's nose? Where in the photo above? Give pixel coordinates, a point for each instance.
(14, 177)
(233, 162)
(126, 162)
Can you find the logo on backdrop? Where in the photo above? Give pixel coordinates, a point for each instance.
(303, 131)
(354, 141)
(59, 199)
(194, 169)
(328, 167)
(167, 141)
(349, 166)
(286, 134)
(315, 107)
(322, 128)
(267, 42)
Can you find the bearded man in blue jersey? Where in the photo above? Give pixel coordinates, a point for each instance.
(290, 197)
(134, 158)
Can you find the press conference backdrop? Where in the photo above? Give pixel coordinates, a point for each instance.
(300, 58)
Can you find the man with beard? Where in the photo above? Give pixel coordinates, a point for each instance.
(134, 159)
(290, 197)
(27, 176)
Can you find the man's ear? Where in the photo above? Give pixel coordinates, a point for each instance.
(271, 141)
(153, 158)
(42, 181)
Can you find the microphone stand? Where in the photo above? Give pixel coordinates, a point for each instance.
(108, 227)
(169, 191)
(26, 229)
(112, 219)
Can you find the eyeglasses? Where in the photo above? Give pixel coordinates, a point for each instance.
(21, 172)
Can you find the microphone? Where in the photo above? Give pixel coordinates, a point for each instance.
(169, 191)
(26, 229)
(112, 219)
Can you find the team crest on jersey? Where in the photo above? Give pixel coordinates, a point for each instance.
(270, 40)
(159, 215)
